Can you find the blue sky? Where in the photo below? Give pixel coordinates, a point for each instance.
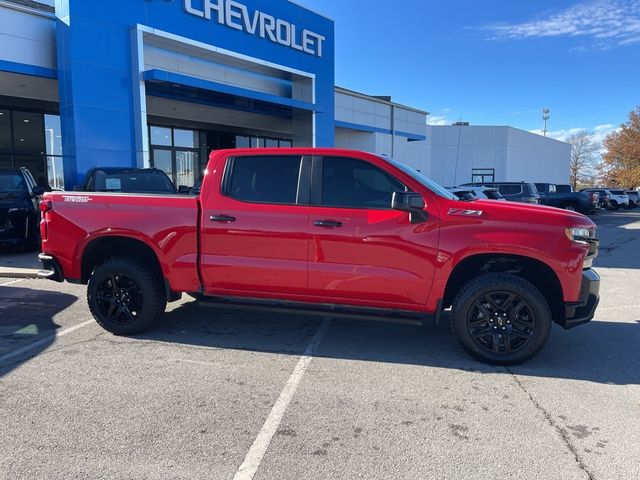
(494, 62)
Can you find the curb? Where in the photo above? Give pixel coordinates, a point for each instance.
(18, 273)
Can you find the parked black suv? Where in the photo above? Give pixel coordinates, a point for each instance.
(575, 201)
(513, 191)
(19, 209)
(127, 180)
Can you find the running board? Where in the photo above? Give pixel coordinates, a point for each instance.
(323, 309)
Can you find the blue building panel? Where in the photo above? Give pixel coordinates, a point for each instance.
(97, 74)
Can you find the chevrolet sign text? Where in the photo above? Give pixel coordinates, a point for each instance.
(238, 16)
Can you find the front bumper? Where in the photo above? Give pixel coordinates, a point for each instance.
(583, 311)
(51, 269)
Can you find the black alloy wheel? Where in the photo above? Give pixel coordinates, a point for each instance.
(501, 322)
(126, 295)
(501, 318)
(119, 299)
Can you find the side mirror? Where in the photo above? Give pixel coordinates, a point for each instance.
(183, 190)
(37, 191)
(410, 202)
(407, 202)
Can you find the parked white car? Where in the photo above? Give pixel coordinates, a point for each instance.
(619, 198)
(485, 193)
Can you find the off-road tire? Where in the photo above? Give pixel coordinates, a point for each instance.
(499, 283)
(146, 287)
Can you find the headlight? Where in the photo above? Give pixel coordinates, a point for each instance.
(580, 234)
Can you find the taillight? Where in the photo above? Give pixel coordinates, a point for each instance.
(46, 205)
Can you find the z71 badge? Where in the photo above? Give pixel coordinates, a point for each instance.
(465, 212)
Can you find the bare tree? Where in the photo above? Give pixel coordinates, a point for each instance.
(584, 155)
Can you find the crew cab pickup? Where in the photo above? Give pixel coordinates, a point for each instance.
(338, 232)
(575, 201)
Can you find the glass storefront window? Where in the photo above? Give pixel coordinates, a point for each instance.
(185, 138)
(243, 142)
(28, 133)
(286, 143)
(5, 161)
(162, 160)
(161, 136)
(271, 142)
(52, 135)
(55, 172)
(35, 165)
(6, 145)
(257, 142)
(186, 168)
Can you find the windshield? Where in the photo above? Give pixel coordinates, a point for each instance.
(417, 176)
(11, 183)
(140, 182)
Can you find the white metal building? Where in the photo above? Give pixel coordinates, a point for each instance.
(376, 124)
(462, 153)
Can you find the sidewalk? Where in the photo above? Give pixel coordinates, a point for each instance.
(19, 265)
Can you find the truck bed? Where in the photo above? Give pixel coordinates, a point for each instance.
(168, 224)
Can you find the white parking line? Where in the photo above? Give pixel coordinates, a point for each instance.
(619, 307)
(12, 282)
(44, 341)
(260, 445)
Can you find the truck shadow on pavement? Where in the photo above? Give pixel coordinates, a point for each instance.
(26, 319)
(602, 352)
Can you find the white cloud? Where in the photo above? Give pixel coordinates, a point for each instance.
(603, 23)
(599, 133)
(438, 120)
(441, 118)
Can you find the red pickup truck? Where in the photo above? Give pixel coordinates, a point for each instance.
(330, 231)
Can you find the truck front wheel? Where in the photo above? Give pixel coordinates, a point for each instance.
(125, 295)
(501, 319)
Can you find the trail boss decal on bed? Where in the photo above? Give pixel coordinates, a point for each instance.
(78, 199)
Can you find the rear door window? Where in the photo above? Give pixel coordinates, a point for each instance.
(263, 179)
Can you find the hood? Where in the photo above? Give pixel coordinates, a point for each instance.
(515, 211)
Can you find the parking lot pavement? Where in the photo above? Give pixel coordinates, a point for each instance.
(19, 265)
(198, 395)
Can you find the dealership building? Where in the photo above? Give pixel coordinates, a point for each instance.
(161, 83)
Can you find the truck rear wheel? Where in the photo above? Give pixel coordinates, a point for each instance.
(125, 295)
(501, 319)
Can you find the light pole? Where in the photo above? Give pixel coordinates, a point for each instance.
(546, 114)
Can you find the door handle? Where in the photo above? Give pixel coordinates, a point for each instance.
(222, 218)
(327, 223)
